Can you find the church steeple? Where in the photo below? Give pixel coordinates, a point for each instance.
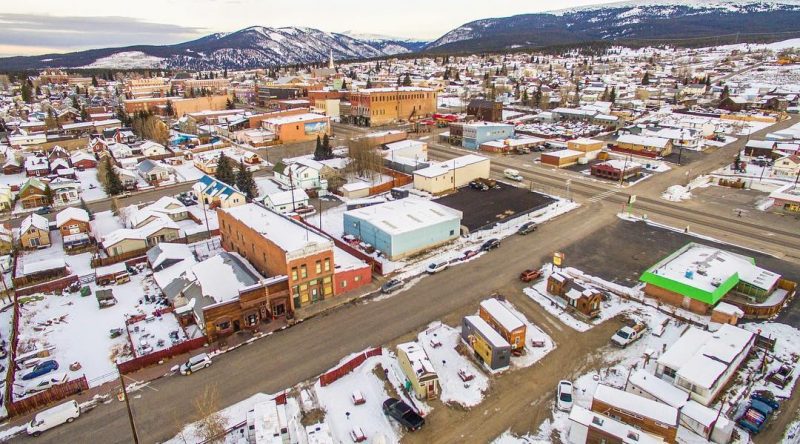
(330, 60)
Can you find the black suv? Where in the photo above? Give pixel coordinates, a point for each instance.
(490, 244)
(403, 413)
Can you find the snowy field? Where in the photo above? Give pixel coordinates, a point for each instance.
(156, 333)
(91, 189)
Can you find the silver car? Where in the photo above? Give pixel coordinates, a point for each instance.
(195, 363)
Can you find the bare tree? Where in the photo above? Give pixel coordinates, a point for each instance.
(367, 162)
(211, 423)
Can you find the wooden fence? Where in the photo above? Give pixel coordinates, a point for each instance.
(53, 394)
(49, 286)
(153, 358)
(335, 374)
(124, 257)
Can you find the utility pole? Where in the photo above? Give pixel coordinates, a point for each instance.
(205, 214)
(128, 406)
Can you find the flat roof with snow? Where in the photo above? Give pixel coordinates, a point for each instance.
(488, 333)
(658, 388)
(405, 215)
(450, 165)
(657, 142)
(624, 432)
(502, 315)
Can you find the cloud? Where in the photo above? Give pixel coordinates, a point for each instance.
(31, 32)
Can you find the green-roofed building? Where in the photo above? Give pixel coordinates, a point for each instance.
(696, 277)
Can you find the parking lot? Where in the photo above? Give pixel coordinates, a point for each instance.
(482, 209)
(621, 251)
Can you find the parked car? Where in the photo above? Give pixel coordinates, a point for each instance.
(45, 384)
(490, 244)
(512, 174)
(41, 369)
(44, 210)
(477, 185)
(564, 396)
(626, 335)
(403, 413)
(468, 254)
(530, 275)
(195, 363)
(391, 286)
(436, 267)
(526, 228)
(52, 417)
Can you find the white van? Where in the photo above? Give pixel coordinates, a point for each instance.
(512, 174)
(52, 417)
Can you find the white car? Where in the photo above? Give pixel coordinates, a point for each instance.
(564, 396)
(436, 267)
(45, 384)
(195, 363)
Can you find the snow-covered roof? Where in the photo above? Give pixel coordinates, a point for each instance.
(289, 235)
(405, 215)
(704, 415)
(633, 139)
(624, 432)
(561, 154)
(729, 309)
(636, 404)
(762, 144)
(36, 221)
(296, 118)
(165, 251)
(43, 265)
(488, 333)
(345, 261)
(706, 267)
(71, 213)
(418, 358)
(141, 233)
(404, 144)
(222, 276)
(502, 315)
(286, 197)
(658, 388)
(445, 167)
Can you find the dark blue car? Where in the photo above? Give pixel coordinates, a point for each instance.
(41, 369)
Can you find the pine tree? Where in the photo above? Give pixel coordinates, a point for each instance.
(228, 104)
(169, 109)
(86, 209)
(318, 154)
(369, 83)
(94, 80)
(725, 93)
(26, 92)
(407, 80)
(113, 184)
(48, 194)
(327, 150)
(245, 182)
(612, 96)
(225, 170)
(646, 78)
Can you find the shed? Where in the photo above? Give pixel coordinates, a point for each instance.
(504, 322)
(489, 347)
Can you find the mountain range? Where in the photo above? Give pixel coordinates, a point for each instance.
(639, 20)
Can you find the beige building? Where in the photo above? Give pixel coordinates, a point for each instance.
(382, 106)
(452, 174)
(418, 370)
(590, 147)
(34, 232)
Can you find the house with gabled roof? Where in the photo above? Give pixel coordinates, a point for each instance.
(34, 232)
(152, 172)
(217, 194)
(32, 194)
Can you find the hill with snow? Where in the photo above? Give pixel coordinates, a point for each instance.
(627, 21)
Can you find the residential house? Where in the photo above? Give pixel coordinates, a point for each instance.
(703, 362)
(82, 160)
(787, 166)
(120, 151)
(165, 206)
(65, 191)
(419, 371)
(643, 413)
(6, 240)
(58, 152)
(304, 173)
(34, 232)
(578, 296)
(128, 241)
(277, 245)
(756, 148)
(500, 318)
(153, 172)
(12, 166)
(97, 144)
(73, 223)
(36, 166)
(150, 148)
(403, 227)
(285, 202)
(61, 167)
(6, 198)
(33, 194)
(128, 178)
(216, 194)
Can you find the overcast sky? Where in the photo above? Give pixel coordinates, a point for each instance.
(37, 27)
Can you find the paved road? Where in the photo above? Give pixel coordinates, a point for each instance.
(308, 349)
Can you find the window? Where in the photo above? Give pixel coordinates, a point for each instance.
(303, 271)
(224, 325)
(319, 267)
(252, 319)
(327, 264)
(452, 232)
(357, 278)
(344, 283)
(294, 273)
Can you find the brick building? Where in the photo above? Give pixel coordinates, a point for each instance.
(276, 245)
(382, 106)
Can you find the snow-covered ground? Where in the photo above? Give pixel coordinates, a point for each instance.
(91, 189)
(76, 330)
(186, 172)
(105, 223)
(440, 342)
(153, 334)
